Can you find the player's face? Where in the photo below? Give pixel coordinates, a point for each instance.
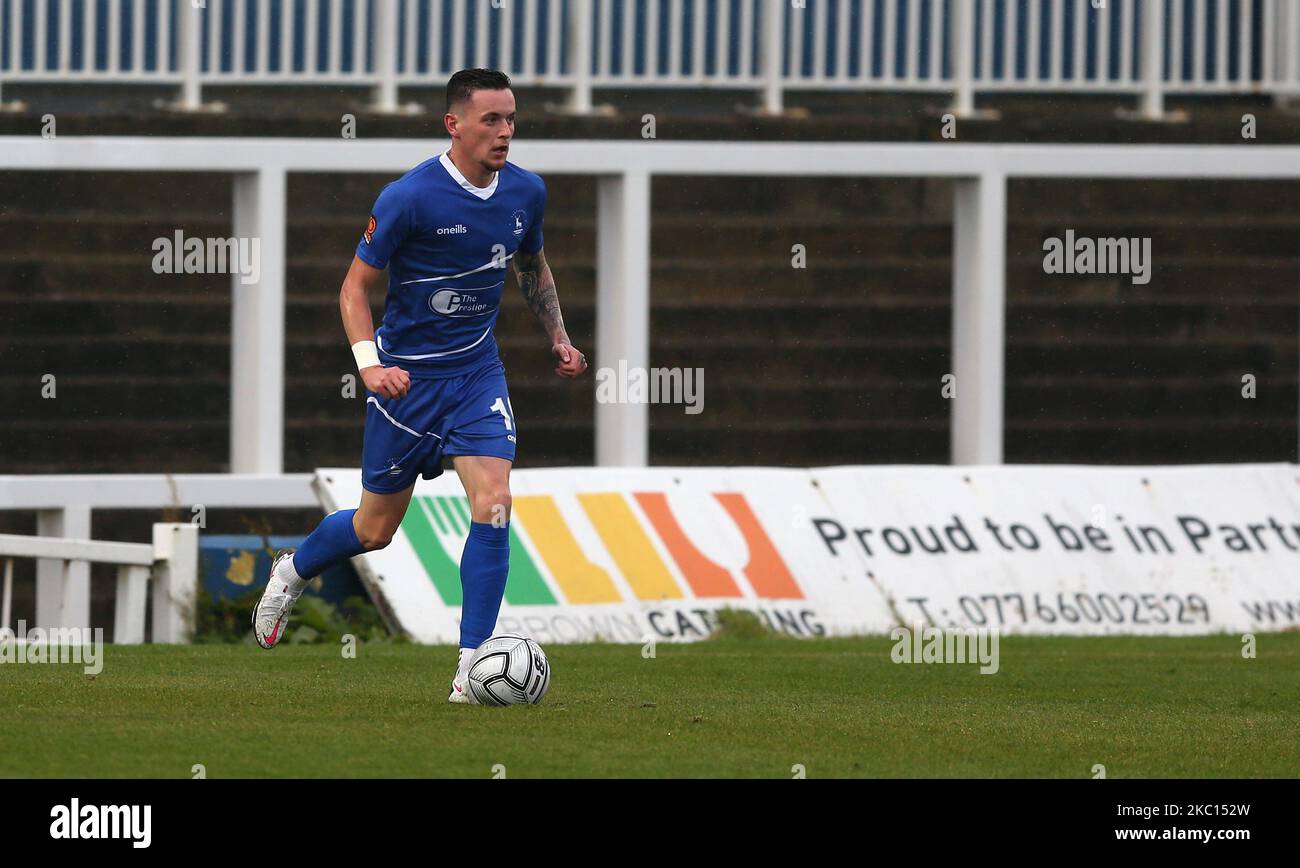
(485, 125)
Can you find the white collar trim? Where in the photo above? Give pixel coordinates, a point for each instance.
(483, 193)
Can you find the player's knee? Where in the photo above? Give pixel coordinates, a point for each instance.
(374, 536)
(492, 505)
(379, 541)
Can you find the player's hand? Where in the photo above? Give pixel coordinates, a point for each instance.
(389, 382)
(572, 361)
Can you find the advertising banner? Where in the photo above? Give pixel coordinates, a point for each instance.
(631, 555)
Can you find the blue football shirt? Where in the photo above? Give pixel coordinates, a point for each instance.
(447, 245)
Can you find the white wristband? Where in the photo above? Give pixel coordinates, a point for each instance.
(366, 354)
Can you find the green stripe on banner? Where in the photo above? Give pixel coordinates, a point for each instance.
(526, 587)
(441, 569)
(437, 519)
(450, 514)
(462, 509)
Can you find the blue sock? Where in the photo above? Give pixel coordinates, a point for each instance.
(484, 566)
(333, 540)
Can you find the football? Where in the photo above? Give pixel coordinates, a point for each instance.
(509, 670)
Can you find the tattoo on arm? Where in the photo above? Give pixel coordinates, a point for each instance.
(538, 287)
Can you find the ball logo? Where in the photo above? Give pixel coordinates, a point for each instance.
(370, 228)
(518, 221)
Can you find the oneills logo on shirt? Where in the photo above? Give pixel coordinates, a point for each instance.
(370, 228)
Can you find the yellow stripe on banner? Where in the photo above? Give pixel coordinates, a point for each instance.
(627, 542)
(579, 579)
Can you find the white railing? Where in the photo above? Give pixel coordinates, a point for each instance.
(64, 504)
(1150, 48)
(170, 565)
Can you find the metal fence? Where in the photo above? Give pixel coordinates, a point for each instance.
(1146, 47)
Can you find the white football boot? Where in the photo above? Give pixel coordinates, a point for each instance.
(271, 614)
(460, 681)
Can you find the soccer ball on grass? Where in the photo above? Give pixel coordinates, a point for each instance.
(509, 670)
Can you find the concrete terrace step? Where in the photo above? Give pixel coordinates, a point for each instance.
(143, 445)
(162, 351)
(541, 398)
(758, 323)
(572, 238)
(203, 446)
(795, 198)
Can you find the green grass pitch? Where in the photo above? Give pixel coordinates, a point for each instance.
(1142, 707)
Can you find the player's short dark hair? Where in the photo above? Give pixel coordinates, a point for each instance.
(461, 86)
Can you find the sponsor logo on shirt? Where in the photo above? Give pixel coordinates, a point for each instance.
(370, 228)
(451, 302)
(458, 229)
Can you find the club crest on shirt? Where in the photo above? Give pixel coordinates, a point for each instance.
(518, 221)
(371, 227)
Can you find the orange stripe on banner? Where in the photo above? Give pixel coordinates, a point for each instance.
(766, 570)
(632, 550)
(706, 578)
(579, 579)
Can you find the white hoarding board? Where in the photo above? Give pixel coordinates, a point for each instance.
(1074, 549)
(632, 555)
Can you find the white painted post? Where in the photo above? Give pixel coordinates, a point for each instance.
(384, 98)
(175, 582)
(50, 572)
(129, 608)
(580, 55)
(962, 44)
(257, 333)
(7, 595)
(1153, 60)
(1288, 31)
(622, 310)
(189, 50)
(979, 317)
(773, 56)
(63, 587)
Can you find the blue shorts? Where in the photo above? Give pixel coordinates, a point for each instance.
(468, 414)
